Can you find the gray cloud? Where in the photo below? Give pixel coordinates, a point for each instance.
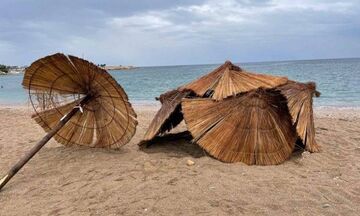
(162, 32)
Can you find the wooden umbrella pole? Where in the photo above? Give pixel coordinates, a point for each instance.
(42, 142)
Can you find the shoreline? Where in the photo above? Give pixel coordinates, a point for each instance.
(134, 103)
(330, 112)
(157, 103)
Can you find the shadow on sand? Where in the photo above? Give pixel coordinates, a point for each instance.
(178, 145)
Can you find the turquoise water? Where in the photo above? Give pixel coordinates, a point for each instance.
(337, 79)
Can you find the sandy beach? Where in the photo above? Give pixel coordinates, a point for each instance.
(158, 181)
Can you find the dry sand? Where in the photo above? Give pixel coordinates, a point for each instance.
(158, 181)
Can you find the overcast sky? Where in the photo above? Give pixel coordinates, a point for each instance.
(165, 32)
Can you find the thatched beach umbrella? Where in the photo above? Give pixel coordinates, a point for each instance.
(78, 103)
(300, 103)
(226, 80)
(253, 128)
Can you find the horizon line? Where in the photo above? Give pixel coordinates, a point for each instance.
(250, 62)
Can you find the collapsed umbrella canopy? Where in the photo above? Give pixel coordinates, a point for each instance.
(300, 103)
(169, 115)
(226, 80)
(78, 103)
(253, 128)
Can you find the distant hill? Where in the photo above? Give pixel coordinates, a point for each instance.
(4, 69)
(115, 67)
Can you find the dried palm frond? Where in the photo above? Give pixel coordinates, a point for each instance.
(300, 104)
(229, 80)
(169, 115)
(58, 82)
(254, 128)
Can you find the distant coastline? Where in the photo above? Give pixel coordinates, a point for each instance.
(12, 70)
(119, 67)
(19, 70)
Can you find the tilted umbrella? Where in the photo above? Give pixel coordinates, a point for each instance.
(225, 81)
(77, 103)
(253, 128)
(300, 103)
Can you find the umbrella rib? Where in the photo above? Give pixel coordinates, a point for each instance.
(60, 90)
(113, 119)
(76, 129)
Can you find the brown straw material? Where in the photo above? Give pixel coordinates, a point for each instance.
(226, 80)
(300, 104)
(254, 128)
(169, 115)
(58, 82)
(229, 80)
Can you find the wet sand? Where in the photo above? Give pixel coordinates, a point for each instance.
(158, 181)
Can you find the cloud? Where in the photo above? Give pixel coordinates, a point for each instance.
(204, 31)
(144, 22)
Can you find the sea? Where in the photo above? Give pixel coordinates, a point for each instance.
(338, 80)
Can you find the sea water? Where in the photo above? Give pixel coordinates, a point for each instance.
(338, 80)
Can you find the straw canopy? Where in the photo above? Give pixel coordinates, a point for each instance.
(59, 82)
(253, 128)
(229, 80)
(226, 80)
(169, 115)
(300, 103)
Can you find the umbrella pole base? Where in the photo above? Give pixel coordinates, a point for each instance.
(3, 181)
(41, 143)
(34, 150)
